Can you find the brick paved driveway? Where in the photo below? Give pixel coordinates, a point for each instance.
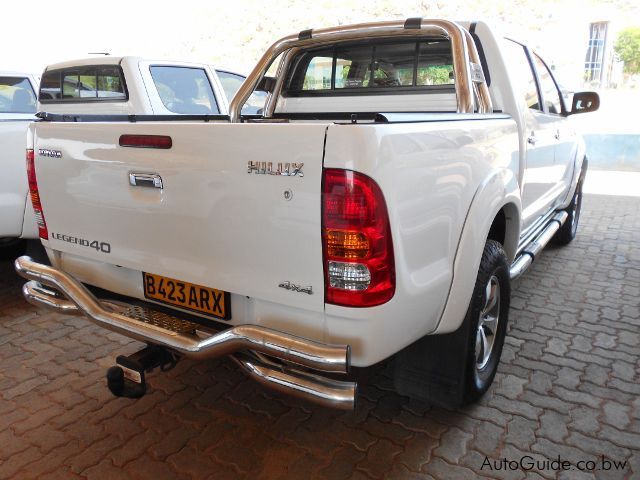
(568, 385)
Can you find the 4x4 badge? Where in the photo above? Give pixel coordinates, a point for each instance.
(266, 168)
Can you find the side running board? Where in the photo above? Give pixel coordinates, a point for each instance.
(524, 260)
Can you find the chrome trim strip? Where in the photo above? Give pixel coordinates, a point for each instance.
(289, 348)
(462, 46)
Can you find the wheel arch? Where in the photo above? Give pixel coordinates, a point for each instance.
(496, 204)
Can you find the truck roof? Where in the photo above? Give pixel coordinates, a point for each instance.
(16, 74)
(118, 60)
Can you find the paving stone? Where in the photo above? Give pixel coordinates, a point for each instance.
(553, 426)
(453, 445)
(569, 384)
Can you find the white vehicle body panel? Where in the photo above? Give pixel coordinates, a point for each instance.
(434, 102)
(16, 216)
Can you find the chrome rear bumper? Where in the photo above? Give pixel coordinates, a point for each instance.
(256, 345)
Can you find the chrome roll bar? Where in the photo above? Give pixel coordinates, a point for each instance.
(469, 81)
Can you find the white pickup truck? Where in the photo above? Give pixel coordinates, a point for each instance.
(17, 109)
(400, 175)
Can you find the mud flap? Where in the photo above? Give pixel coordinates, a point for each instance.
(434, 368)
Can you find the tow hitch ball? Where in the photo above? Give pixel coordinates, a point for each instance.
(127, 377)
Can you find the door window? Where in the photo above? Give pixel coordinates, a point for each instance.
(16, 95)
(524, 82)
(548, 86)
(184, 90)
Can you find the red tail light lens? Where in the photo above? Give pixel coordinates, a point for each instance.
(35, 195)
(356, 238)
(146, 141)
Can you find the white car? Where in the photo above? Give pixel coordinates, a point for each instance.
(17, 109)
(135, 86)
(399, 176)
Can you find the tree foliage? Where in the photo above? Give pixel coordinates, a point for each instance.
(627, 49)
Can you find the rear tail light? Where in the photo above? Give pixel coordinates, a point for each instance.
(35, 195)
(356, 239)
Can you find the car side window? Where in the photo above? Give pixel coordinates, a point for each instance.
(16, 95)
(184, 90)
(548, 86)
(524, 82)
(231, 83)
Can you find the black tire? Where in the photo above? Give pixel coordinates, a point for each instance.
(483, 357)
(567, 232)
(441, 369)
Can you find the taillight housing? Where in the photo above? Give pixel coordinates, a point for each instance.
(35, 195)
(356, 239)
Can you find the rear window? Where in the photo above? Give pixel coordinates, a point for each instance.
(83, 84)
(184, 90)
(16, 95)
(384, 67)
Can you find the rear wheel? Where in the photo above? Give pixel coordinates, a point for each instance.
(487, 316)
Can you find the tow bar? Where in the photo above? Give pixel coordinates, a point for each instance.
(127, 377)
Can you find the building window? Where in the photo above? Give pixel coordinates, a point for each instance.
(594, 61)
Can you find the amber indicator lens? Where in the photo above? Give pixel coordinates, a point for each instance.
(347, 244)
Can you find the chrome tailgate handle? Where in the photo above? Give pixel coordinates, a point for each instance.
(145, 180)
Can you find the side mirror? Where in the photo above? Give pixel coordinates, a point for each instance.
(584, 102)
(267, 84)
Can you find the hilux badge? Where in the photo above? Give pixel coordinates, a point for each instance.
(266, 168)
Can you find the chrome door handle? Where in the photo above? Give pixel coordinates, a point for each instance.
(557, 135)
(532, 139)
(145, 180)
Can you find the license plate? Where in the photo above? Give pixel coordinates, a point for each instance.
(189, 296)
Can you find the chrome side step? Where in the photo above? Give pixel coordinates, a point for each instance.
(535, 246)
(49, 286)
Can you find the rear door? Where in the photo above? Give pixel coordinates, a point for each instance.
(563, 134)
(214, 221)
(541, 174)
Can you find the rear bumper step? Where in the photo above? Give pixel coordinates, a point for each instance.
(59, 291)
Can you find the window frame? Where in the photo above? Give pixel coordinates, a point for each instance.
(362, 91)
(80, 68)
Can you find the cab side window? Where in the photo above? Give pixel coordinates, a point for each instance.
(548, 86)
(523, 79)
(16, 95)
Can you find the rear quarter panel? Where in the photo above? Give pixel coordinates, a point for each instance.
(430, 174)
